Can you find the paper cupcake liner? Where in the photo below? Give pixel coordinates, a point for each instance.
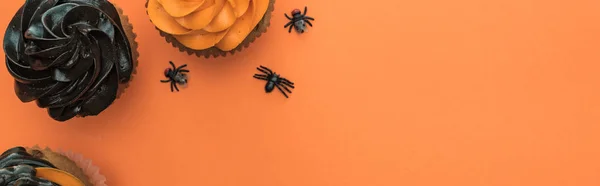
(128, 29)
(215, 52)
(89, 169)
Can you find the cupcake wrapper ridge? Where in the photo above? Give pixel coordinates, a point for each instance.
(89, 169)
(131, 36)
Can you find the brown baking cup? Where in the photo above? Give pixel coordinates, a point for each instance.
(72, 163)
(128, 29)
(258, 30)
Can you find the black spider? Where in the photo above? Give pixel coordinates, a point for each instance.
(298, 20)
(176, 76)
(274, 80)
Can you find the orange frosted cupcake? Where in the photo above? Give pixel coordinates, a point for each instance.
(210, 27)
(21, 166)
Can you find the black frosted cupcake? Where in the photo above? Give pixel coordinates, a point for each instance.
(74, 57)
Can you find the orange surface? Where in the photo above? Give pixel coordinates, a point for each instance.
(389, 93)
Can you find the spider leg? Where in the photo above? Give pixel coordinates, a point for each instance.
(286, 96)
(287, 84)
(182, 66)
(261, 78)
(286, 80)
(263, 71)
(175, 85)
(172, 64)
(288, 24)
(267, 69)
(287, 16)
(305, 10)
(290, 30)
(260, 75)
(308, 22)
(184, 70)
(172, 83)
(308, 18)
(165, 81)
(286, 89)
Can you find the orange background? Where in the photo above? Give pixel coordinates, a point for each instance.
(389, 93)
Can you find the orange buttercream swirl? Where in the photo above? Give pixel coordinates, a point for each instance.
(201, 24)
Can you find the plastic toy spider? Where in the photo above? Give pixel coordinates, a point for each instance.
(176, 76)
(298, 20)
(274, 80)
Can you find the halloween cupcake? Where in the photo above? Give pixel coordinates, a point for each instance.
(210, 27)
(34, 166)
(74, 57)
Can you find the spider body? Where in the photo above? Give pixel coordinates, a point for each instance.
(298, 20)
(175, 76)
(274, 80)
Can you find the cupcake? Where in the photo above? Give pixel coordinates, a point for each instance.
(74, 57)
(21, 166)
(210, 27)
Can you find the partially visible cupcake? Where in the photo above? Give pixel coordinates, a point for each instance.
(210, 27)
(21, 166)
(74, 57)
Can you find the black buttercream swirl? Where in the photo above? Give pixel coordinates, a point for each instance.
(17, 168)
(69, 55)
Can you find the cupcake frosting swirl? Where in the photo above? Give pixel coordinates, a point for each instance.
(201, 24)
(17, 167)
(69, 55)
